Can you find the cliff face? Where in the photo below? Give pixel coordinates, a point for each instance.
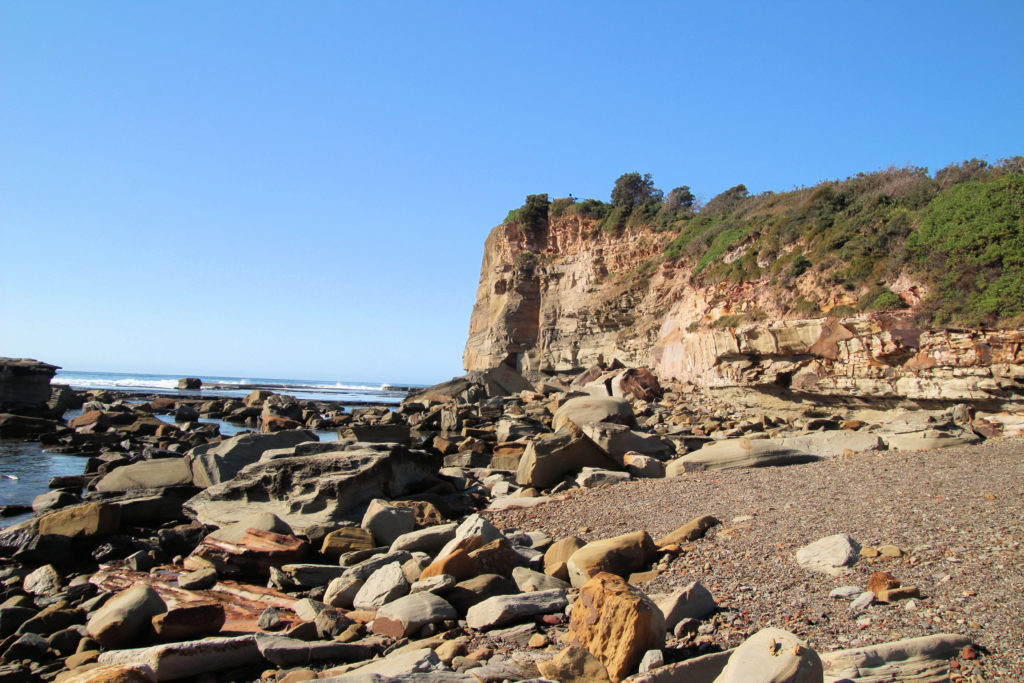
(564, 298)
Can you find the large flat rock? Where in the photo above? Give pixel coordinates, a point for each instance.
(216, 463)
(322, 488)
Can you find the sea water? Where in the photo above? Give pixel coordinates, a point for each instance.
(26, 470)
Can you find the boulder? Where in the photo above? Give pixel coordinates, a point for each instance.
(616, 623)
(550, 457)
(476, 590)
(640, 383)
(261, 521)
(913, 659)
(148, 474)
(620, 555)
(617, 440)
(189, 621)
(190, 658)
(738, 453)
(574, 664)
(501, 380)
(364, 433)
(690, 602)
(691, 531)
(218, 462)
(529, 580)
(318, 489)
(401, 665)
(773, 656)
(25, 385)
(503, 609)
(475, 525)
(251, 556)
(125, 617)
(593, 477)
(643, 466)
(557, 556)
(387, 522)
(407, 615)
(588, 409)
(384, 585)
(429, 540)
(830, 555)
(191, 383)
(53, 500)
(344, 540)
(43, 580)
(283, 652)
(82, 521)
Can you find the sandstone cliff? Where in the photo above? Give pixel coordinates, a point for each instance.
(567, 295)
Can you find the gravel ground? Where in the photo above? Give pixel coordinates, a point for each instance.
(958, 512)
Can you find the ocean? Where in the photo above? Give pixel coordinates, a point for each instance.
(26, 469)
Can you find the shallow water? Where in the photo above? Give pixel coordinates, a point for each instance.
(33, 469)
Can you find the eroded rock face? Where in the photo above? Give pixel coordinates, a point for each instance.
(25, 385)
(314, 489)
(573, 301)
(616, 623)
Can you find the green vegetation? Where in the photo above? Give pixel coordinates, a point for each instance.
(960, 230)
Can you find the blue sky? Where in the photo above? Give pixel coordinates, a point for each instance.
(303, 189)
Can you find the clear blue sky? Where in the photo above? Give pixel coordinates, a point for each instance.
(302, 189)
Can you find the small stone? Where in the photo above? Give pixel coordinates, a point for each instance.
(270, 620)
(862, 601)
(845, 592)
(200, 579)
(890, 550)
(43, 581)
(868, 551)
(537, 640)
(652, 659)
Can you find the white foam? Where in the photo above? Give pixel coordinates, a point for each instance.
(96, 383)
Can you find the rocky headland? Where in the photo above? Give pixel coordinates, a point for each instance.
(671, 459)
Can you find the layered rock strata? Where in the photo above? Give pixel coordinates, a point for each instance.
(569, 296)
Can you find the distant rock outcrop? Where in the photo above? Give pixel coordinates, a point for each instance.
(25, 385)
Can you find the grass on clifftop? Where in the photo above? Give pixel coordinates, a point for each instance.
(960, 230)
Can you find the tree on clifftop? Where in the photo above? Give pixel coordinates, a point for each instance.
(633, 190)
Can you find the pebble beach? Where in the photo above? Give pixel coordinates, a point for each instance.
(957, 512)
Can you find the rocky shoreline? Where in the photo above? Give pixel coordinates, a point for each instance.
(597, 527)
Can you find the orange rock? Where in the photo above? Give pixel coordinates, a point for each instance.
(497, 557)
(881, 582)
(458, 564)
(616, 623)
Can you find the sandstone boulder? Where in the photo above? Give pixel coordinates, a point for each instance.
(387, 522)
(148, 474)
(218, 462)
(588, 409)
(738, 453)
(619, 555)
(125, 617)
(913, 659)
(617, 440)
(773, 656)
(82, 521)
(830, 555)
(503, 609)
(616, 623)
(574, 664)
(691, 531)
(690, 602)
(319, 489)
(407, 615)
(190, 658)
(550, 457)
